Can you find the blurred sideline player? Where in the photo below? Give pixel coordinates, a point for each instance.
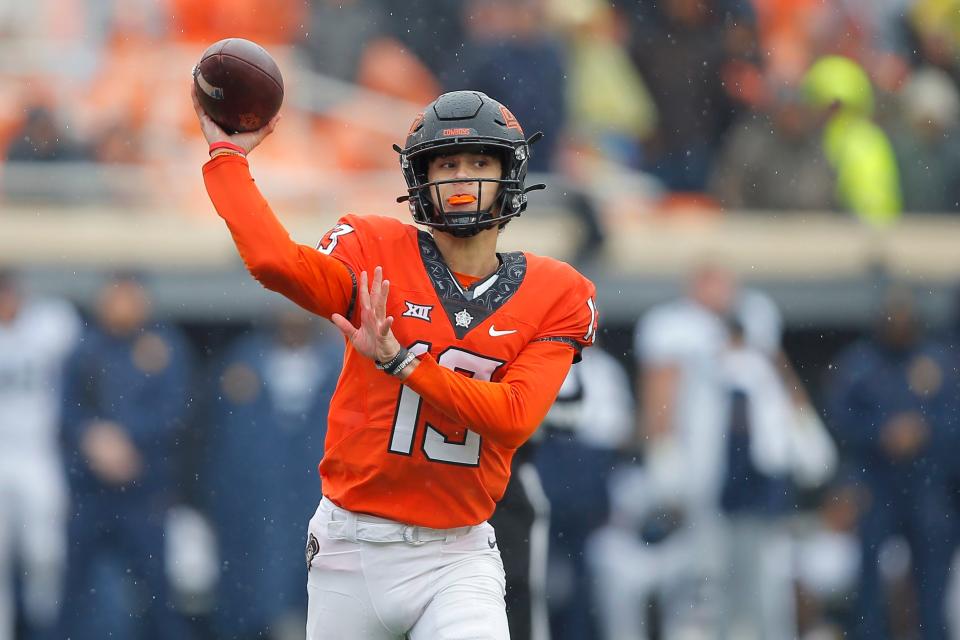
(586, 429)
(36, 336)
(448, 369)
(269, 401)
(522, 523)
(126, 397)
(679, 345)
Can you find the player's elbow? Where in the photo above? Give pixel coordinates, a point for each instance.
(514, 432)
(526, 416)
(268, 272)
(511, 437)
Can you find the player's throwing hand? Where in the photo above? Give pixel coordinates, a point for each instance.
(213, 133)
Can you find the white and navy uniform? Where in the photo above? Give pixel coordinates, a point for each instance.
(589, 424)
(688, 472)
(33, 497)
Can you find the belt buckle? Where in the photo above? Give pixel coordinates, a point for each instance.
(411, 535)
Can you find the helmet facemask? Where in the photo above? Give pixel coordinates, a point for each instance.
(466, 122)
(463, 223)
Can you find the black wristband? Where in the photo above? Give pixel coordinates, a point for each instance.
(395, 371)
(393, 365)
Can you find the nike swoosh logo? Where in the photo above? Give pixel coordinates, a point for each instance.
(494, 333)
(492, 542)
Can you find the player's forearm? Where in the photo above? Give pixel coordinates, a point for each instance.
(317, 282)
(508, 411)
(263, 243)
(495, 410)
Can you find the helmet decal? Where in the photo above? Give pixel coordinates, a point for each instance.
(510, 119)
(415, 124)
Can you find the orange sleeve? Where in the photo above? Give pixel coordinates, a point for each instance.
(317, 282)
(507, 411)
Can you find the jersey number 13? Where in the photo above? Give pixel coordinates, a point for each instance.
(436, 447)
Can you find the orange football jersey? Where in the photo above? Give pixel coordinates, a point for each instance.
(388, 452)
(436, 449)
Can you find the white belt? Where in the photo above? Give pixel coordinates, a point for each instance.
(346, 525)
(377, 532)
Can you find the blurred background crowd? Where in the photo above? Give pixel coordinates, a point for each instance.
(706, 103)
(719, 466)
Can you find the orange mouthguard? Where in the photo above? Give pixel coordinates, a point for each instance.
(461, 199)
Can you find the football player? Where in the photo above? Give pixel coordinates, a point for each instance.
(37, 335)
(450, 365)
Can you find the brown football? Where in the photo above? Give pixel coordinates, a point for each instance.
(239, 84)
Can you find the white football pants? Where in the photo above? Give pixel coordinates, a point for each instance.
(33, 510)
(376, 579)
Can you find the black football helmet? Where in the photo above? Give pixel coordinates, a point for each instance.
(466, 121)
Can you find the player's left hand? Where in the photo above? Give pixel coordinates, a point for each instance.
(374, 337)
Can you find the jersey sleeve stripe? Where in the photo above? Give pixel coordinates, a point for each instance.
(353, 292)
(577, 347)
(593, 321)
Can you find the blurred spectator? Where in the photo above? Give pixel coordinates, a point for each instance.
(793, 33)
(280, 21)
(42, 138)
(432, 30)
(936, 27)
(788, 31)
(867, 180)
(587, 427)
(118, 143)
(269, 413)
(927, 142)
(649, 14)
(125, 399)
(66, 27)
(828, 564)
(682, 54)
(886, 22)
(893, 405)
(885, 42)
(773, 161)
(679, 346)
(609, 105)
(338, 32)
(510, 54)
(354, 129)
(119, 92)
(36, 336)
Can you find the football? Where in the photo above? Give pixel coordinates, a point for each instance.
(239, 85)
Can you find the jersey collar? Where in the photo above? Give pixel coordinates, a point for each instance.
(468, 307)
